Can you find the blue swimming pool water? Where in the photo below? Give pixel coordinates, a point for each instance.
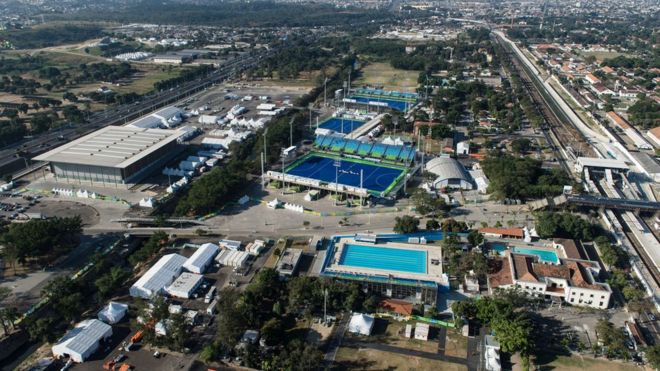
(374, 257)
(499, 247)
(341, 125)
(544, 255)
(375, 178)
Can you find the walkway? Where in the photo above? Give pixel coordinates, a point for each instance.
(335, 340)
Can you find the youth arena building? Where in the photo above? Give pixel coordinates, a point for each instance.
(351, 167)
(114, 156)
(388, 267)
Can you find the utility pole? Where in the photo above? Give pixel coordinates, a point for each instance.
(325, 92)
(325, 305)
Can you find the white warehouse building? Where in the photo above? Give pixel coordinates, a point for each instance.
(202, 258)
(163, 273)
(82, 341)
(184, 286)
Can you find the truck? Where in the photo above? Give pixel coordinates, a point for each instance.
(210, 295)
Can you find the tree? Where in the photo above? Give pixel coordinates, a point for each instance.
(432, 224)
(406, 224)
(110, 281)
(653, 356)
(521, 145)
(42, 329)
(612, 338)
(513, 333)
(475, 238)
(273, 332)
(230, 319)
(427, 203)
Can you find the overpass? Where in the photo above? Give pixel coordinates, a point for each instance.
(597, 202)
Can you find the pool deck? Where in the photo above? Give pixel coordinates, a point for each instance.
(434, 272)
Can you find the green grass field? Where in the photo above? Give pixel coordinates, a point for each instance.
(390, 78)
(144, 80)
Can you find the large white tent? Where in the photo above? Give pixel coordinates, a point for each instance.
(83, 340)
(361, 324)
(113, 312)
(163, 273)
(202, 258)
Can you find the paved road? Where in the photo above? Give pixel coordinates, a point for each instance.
(335, 340)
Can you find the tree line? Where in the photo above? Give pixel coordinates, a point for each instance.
(521, 178)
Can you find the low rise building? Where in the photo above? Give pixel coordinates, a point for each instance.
(160, 275)
(575, 281)
(185, 285)
(82, 341)
(202, 258)
(289, 262)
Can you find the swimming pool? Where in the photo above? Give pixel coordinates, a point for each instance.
(544, 255)
(500, 248)
(373, 257)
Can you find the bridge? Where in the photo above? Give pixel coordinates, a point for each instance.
(597, 202)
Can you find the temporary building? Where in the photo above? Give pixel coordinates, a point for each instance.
(157, 277)
(113, 312)
(232, 258)
(361, 324)
(422, 331)
(184, 286)
(202, 258)
(230, 244)
(82, 341)
(255, 248)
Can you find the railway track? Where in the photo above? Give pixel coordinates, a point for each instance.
(560, 127)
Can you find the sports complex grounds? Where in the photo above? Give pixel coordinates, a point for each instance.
(351, 167)
(394, 269)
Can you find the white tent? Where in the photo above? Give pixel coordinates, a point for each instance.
(113, 312)
(82, 341)
(161, 274)
(361, 324)
(202, 258)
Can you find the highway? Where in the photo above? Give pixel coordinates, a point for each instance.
(17, 156)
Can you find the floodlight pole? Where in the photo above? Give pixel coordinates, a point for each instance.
(291, 132)
(361, 186)
(263, 179)
(265, 144)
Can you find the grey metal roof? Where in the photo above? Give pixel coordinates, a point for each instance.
(447, 168)
(112, 146)
(602, 163)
